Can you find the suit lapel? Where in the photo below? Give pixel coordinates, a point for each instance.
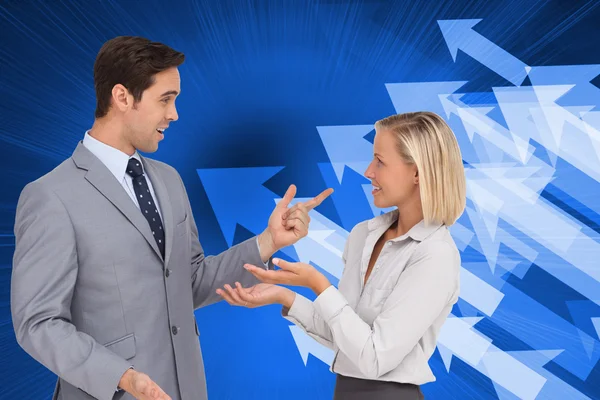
(164, 202)
(102, 179)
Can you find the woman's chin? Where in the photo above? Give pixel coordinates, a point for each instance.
(379, 203)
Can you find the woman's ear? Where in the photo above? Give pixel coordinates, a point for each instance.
(417, 177)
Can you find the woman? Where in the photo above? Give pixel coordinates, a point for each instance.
(401, 274)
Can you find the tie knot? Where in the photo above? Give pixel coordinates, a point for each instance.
(134, 168)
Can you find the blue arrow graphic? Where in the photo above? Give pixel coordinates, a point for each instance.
(459, 34)
(237, 196)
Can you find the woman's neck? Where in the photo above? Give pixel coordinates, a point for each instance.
(407, 218)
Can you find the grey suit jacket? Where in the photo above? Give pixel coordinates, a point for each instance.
(92, 296)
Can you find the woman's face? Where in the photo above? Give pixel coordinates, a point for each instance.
(395, 182)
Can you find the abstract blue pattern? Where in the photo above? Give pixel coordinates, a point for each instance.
(275, 93)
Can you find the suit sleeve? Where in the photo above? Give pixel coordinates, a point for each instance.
(43, 280)
(212, 272)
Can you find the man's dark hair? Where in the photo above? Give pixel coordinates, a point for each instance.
(131, 61)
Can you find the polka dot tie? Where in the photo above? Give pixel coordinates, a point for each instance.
(146, 202)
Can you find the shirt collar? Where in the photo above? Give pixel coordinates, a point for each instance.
(115, 160)
(418, 232)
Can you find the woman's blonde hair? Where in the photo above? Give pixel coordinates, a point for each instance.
(423, 138)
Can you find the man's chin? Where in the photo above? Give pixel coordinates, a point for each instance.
(148, 148)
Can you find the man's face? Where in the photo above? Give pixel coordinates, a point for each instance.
(147, 120)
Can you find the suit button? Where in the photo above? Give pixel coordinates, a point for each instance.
(174, 329)
(167, 272)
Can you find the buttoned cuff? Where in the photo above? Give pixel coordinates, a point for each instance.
(300, 312)
(330, 303)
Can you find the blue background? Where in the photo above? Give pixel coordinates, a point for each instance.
(281, 92)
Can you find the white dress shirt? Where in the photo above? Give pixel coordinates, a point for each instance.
(387, 329)
(116, 162)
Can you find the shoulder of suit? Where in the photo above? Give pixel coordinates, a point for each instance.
(43, 187)
(161, 166)
(158, 164)
(165, 169)
(55, 178)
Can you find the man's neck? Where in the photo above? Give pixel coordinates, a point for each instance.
(110, 133)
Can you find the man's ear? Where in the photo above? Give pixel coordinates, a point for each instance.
(121, 97)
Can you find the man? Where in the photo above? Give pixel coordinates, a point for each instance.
(108, 268)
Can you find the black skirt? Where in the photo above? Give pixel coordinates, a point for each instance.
(347, 388)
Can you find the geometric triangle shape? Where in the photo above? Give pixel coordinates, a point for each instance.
(491, 223)
(467, 310)
(588, 343)
(472, 321)
(446, 356)
(497, 116)
(338, 168)
(489, 247)
(541, 153)
(596, 322)
(508, 264)
(552, 157)
(228, 202)
(535, 359)
(581, 311)
(504, 394)
(455, 31)
(370, 137)
(550, 354)
(522, 146)
(521, 269)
